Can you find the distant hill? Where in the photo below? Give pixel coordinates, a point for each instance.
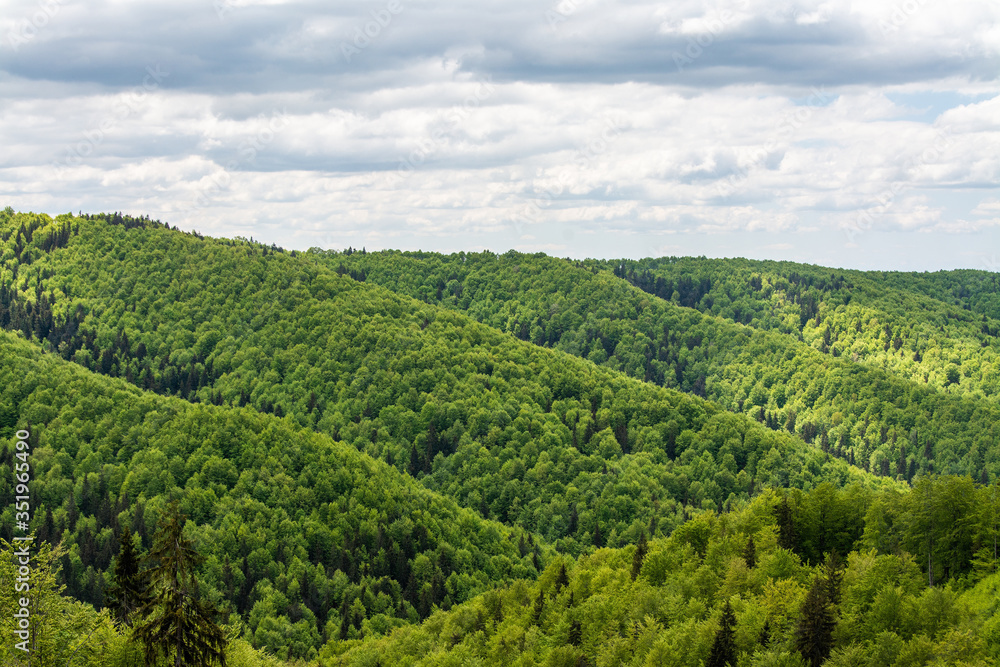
(797, 348)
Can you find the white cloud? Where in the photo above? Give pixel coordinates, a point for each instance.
(783, 118)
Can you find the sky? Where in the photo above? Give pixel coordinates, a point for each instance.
(857, 135)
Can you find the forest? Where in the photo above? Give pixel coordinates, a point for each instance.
(885, 380)
(410, 458)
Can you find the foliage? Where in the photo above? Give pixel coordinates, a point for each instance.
(175, 620)
(892, 372)
(298, 531)
(696, 602)
(524, 435)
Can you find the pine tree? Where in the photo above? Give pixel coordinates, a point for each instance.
(750, 553)
(723, 653)
(787, 536)
(562, 579)
(175, 621)
(129, 590)
(814, 634)
(640, 555)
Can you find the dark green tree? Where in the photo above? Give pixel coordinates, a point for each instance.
(562, 579)
(128, 592)
(723, 653)
(641, 549)
(176, 621)
(787, 535)
(833, 575)
(575, 633)
(750, 553)
(814, 634)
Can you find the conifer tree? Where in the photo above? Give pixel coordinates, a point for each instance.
(833, 575)
(562, 579)
(176, 621)
(723, 653)
(640, 555)
(814, 634)
(129, 589)
(787, 535)
(750, 553)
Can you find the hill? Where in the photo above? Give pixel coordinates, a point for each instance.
(306, 538)
(737, 589)
(757, 349)
(539, 439)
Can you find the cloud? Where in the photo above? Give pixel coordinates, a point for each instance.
(426, 120)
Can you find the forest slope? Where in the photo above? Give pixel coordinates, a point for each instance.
(752, 588)
(306, 538)
(536, 438)
(785, 376)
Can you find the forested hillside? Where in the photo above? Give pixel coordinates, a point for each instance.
(753, 588)
(920, 327)
(307, 539)
(408, 458)
(844, 384)
(535, 438)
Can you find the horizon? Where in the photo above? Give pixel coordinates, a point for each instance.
(994, 268)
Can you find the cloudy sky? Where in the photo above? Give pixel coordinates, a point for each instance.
(857, 134)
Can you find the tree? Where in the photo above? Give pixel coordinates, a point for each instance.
(598, 538)
(787, 535)
(640, 555)
(833, 575)
(750, 553)
(177, 622)
(129, 590)
(562, 579)
(723, 653)
(814, 634)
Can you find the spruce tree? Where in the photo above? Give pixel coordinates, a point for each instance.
(833, 575)
(575, 633)
(640, 555)
(814, 634)
(750, 553)
(562, 578)
(723, 653)
(128, 591)
(176, 622)
(787, 535)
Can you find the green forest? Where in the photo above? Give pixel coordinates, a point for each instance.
(354, 458)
